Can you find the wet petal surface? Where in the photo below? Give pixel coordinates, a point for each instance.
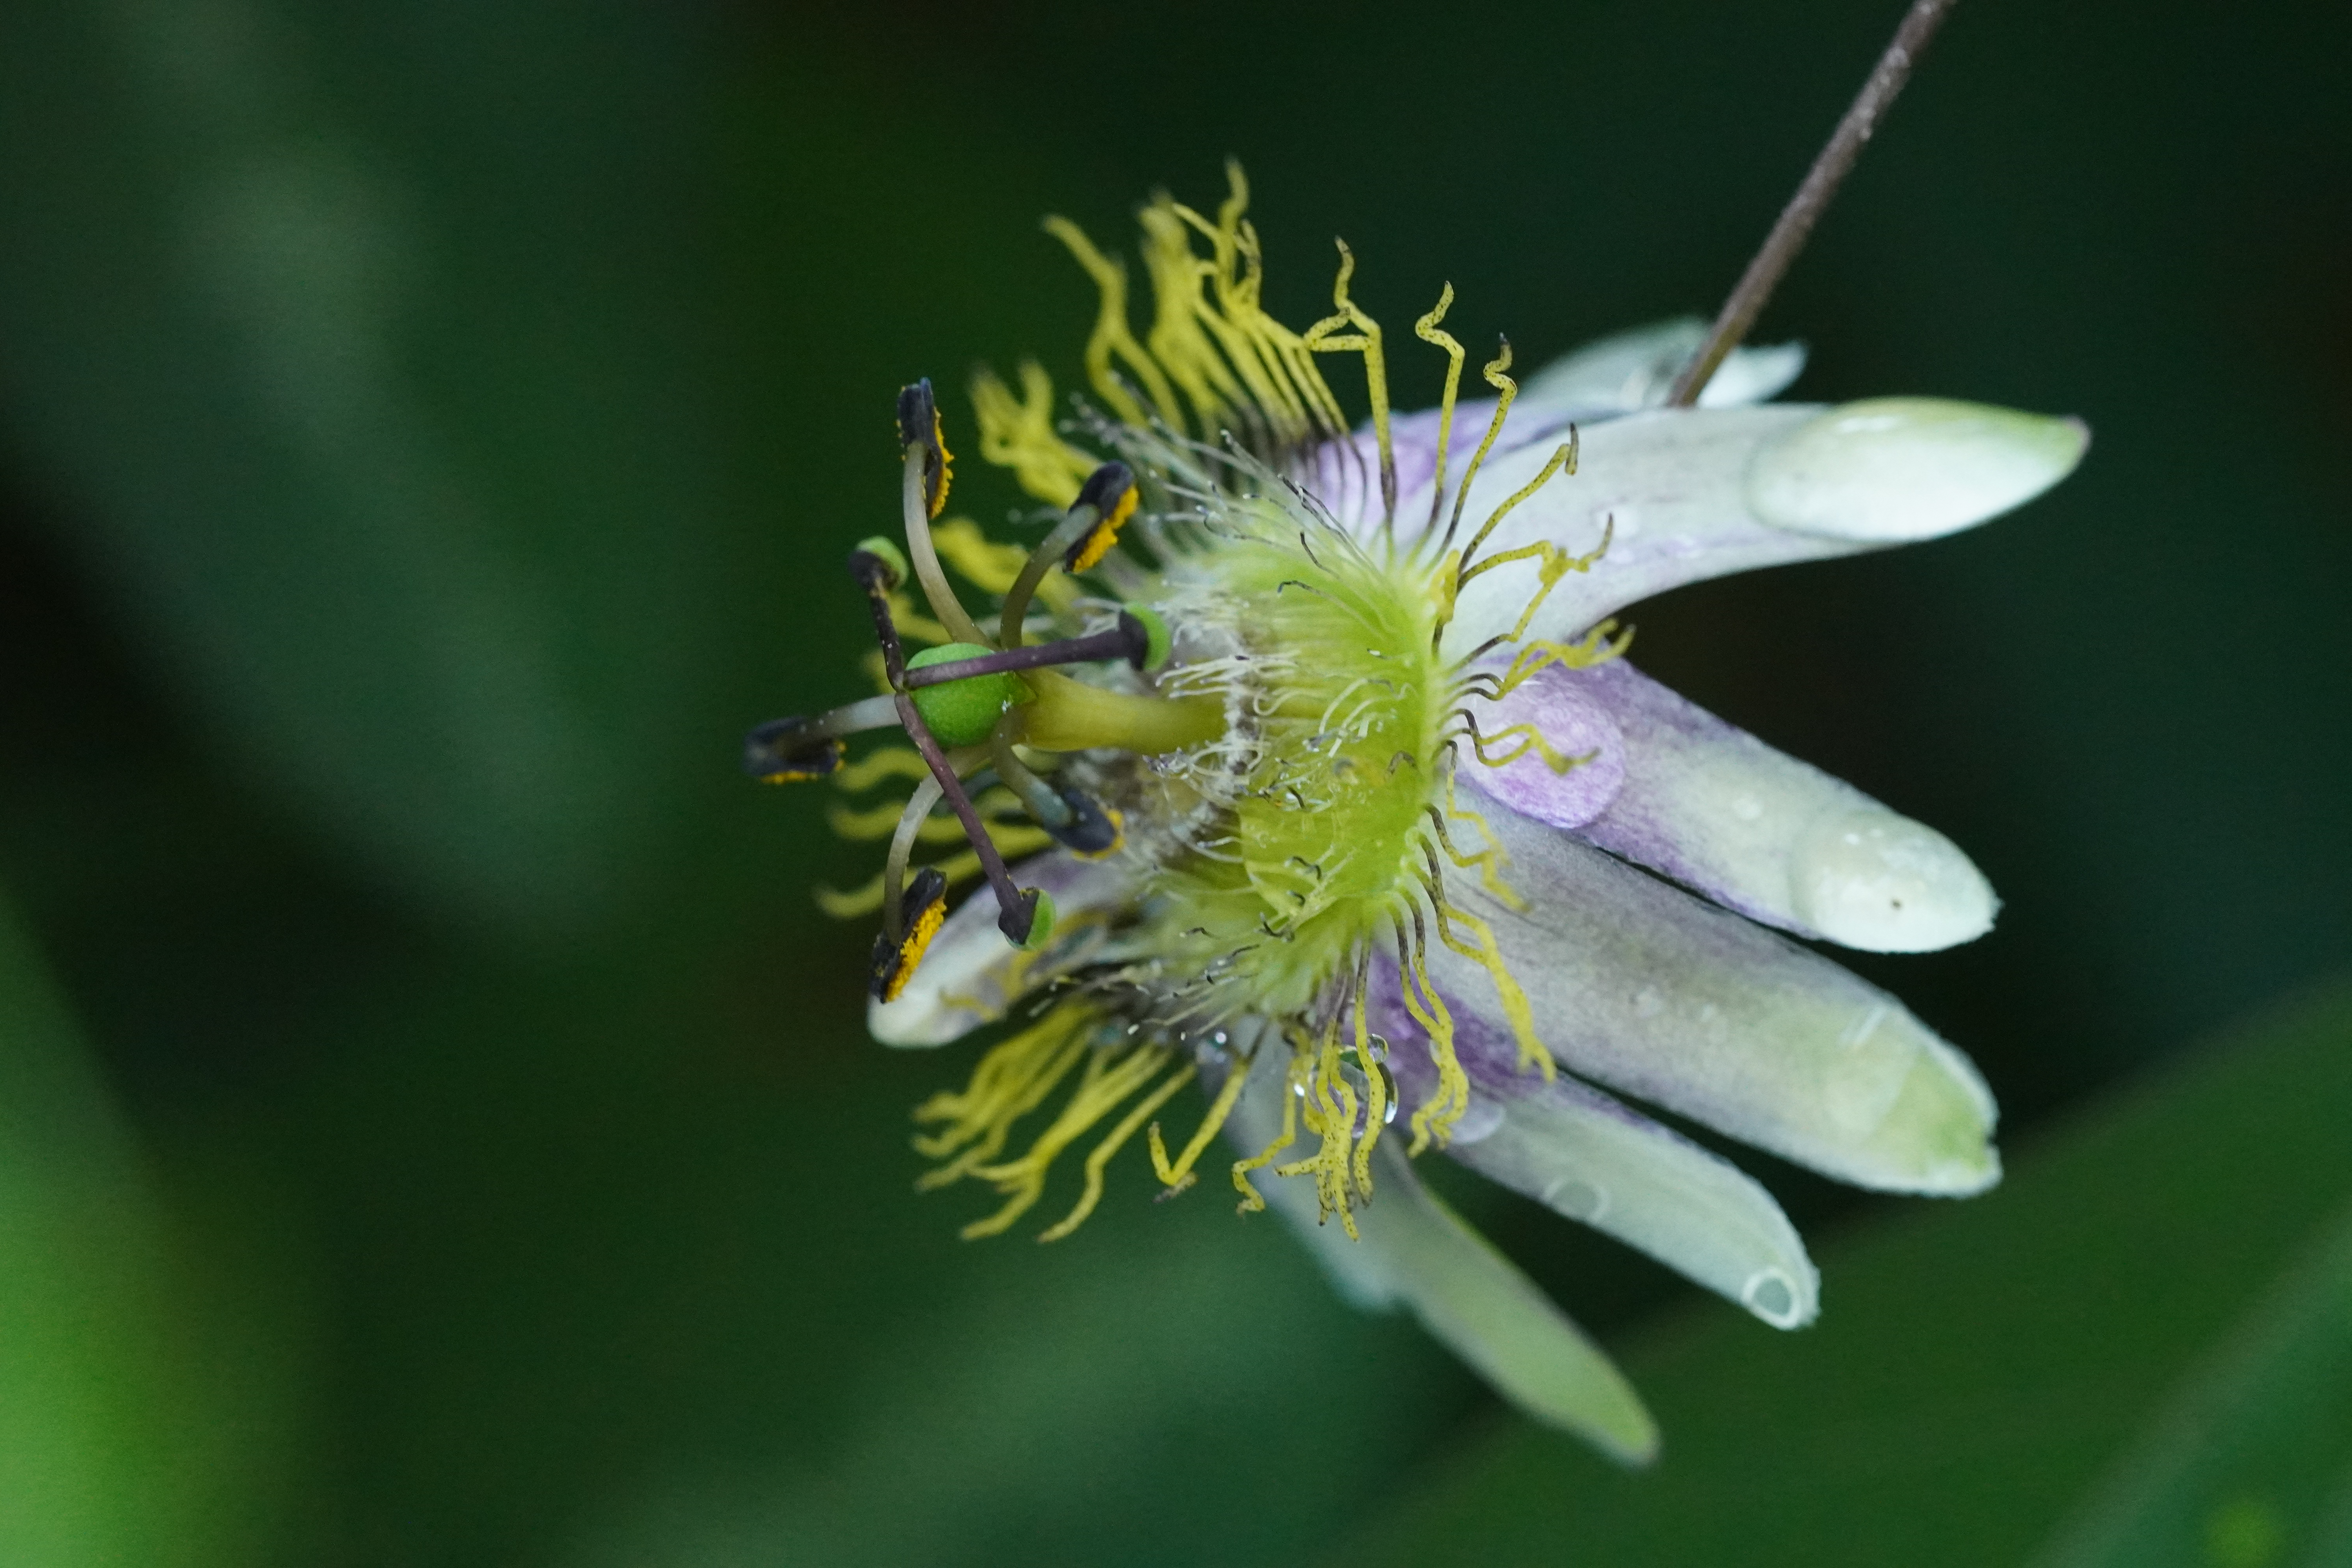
(1672, 787)
(1641, 986)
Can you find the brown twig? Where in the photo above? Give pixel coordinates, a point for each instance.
(1821, 182)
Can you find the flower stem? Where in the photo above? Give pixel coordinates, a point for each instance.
(1822, 181)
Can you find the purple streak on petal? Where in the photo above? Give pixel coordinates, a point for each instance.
(1618, 701)
(1637, 821)
(1573, 723)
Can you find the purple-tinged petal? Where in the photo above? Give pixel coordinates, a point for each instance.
(1585, 1155)
(1676, 789)
(1639, 985)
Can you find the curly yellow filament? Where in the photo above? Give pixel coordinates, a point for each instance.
(1111, 1146)
(1017, 433)
(1106, 1084)
(1178, 1175)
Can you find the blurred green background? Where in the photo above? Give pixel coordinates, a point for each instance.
(435, 1125)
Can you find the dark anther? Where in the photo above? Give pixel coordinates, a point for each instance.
(1090, 830)
(878, 562)
(1103, 488)
(1148, 642)
(919, 425)
(878, 573)
(894, 961)
(778, 752)
(1111, 491)
(1029, 921)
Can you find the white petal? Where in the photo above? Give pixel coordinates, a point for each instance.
(1634, 370)
(1417, 1253)
(1641, 986)
(1676, 789)
(1582, 1154)
(960, 982)
(1893, 469)
(1667, 487)
(1689, 495)
(1604, 380)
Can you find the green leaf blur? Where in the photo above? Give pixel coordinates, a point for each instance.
(436, 1125)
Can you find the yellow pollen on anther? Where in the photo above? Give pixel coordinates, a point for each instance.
(1104, 534)
(913, 945)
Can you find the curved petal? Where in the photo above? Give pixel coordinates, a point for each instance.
(965, 977)
(1582, 1154)
(1675, 788)
(1604, 380)
(1417, 1253)
(1647, 989)
(1636, 369)
(1684, 495)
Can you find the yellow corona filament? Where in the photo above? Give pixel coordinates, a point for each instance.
(1488, 954)
(1329, 1111)
(1488, 862)
(1530, 738)
(1428, 331)
(1563, 458)
(881, 821)
(888, 763)
(1112, 337)
(1599, 646)
(1433, 1120)
(1178, 341)
(913, 627)
(862, 900)
(1376, 1084)
(1325, 337)
(1178, 1175)
(1017, 433)
(1250, 1202)
(1505, 392)
(1111, 1146)
(1106, 1084)
(1013, 1079)
(1218, 343)
(1252, 341)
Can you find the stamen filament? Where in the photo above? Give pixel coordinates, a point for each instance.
(924, 555)
(902, 848)
(852, 719)
(1048, 554)
(1049, 808)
